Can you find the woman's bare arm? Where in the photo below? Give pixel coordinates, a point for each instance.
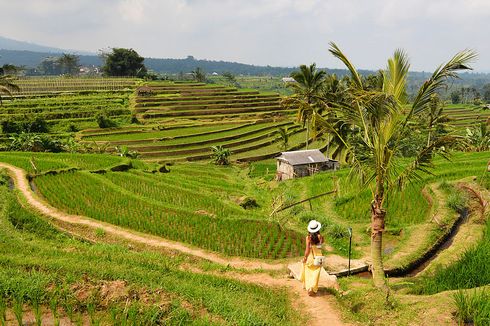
(307, 250)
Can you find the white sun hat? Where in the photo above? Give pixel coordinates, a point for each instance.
(314, 226)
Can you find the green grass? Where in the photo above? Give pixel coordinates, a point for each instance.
(50, 161)
(473, 307)
(175, 213)
(40, 266)
(470, 271)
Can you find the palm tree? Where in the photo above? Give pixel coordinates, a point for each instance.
(199, 75)
(307, 95)
(379, 123)
(283, 133)
(7, 87)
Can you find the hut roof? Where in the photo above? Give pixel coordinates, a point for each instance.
(303, 157)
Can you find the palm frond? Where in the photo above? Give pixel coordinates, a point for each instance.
(395, 77)
(439, 79)
(423, 161)
(356, 77)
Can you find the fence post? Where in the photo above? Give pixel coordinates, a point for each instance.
(350, 246)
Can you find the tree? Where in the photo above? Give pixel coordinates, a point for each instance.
(230, 79)
(455, 97)
(199, 75)
(123, 62)
(220, 155)
(7, 86)
(50, 66)
(307, 95)
(381, 123)
(486, 93)
(478, 137)
(69, 64)
(9, 69)
(283, 133)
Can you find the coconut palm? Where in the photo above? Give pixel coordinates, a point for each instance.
(283, 133)
(379, 123)
(7, 87)
(307, 95)
(199, 75)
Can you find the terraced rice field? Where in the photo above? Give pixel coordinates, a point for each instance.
(187, 205)
(48, 85)
(68, 108)
(181, 121)
(463, 116)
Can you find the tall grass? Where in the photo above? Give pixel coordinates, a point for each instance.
(473, 307)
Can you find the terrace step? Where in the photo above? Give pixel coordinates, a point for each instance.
(186, 106)
(157, 147)
(150, 114)
(237, 95)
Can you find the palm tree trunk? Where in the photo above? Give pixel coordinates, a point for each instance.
(307, 132)
(377, 227)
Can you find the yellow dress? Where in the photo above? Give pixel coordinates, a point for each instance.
(310, 274)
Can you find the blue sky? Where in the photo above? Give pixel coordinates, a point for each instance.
(273, 32)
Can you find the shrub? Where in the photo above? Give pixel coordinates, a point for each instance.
(37, 125)
(9, 127)
(221, 155)
(103, 120)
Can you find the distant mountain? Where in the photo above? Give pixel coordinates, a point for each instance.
(31, 59)
(11, 44)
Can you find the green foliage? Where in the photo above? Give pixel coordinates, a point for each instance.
(199, 75)
(28, 124)
(220, 155)
(473, 307)
(29, 142)
(124, 151)
(478, 137)
(124, 62)
(103, 120)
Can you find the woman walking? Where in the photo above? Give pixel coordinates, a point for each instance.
(313, 259)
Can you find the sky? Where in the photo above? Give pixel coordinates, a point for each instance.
(262, 32)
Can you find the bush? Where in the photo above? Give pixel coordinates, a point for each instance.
(37, 124)
(103, 120)
(9, 127)
(29, 142)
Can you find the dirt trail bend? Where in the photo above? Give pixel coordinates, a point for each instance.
(22, 184)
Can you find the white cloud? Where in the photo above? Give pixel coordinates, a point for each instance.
(275, 32)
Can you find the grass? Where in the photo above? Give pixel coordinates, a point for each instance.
(473, 307)
(469, 271)
(170, 211)
(42, 267)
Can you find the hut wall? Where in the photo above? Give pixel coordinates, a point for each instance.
(285, 171)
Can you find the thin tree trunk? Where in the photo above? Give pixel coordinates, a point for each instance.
(377, 227)
(307, 132)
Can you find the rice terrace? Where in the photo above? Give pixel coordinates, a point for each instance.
(145, 191)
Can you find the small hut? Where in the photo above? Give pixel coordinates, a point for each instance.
(303, 163)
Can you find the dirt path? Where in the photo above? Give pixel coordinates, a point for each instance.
(318, 308)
